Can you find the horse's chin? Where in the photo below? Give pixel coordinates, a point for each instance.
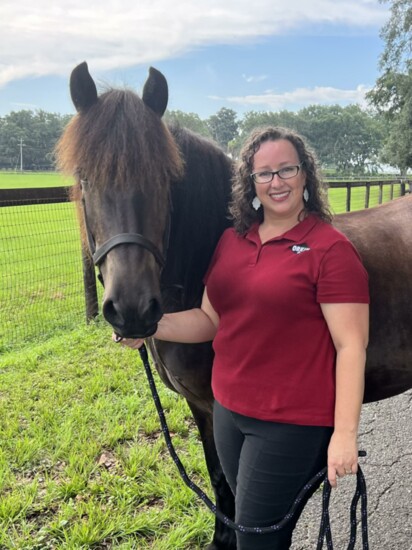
(124, 333)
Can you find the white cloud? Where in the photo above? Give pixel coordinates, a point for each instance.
(301, 97)
(253, 79)
(42, 37)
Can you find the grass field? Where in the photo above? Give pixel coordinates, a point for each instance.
(16, 180)
(41, 284)
(337, 197)
(82, 460)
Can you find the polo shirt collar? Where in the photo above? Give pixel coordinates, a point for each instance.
(295, 234)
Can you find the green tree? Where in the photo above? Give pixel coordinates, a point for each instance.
(397, 35)
(192, 121)
(254, 119)
(34, 134)
(223, 126)
(10, 136)
(346, 138)
(259, 119)
(392, 94)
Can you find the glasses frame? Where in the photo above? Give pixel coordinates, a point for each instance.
(276, 173)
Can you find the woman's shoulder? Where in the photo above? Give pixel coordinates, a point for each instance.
(229, 235)
(330, 243)
(327, 232)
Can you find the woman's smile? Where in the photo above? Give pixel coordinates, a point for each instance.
(282, 199)
(279, 196)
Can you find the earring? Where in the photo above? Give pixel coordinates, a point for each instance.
(256, 203)
(306, 194)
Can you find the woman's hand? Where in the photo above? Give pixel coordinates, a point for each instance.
(133, 343)
(342, 456)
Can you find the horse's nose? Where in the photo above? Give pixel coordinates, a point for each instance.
(130, 320)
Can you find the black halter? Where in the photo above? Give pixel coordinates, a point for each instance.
(126, 238)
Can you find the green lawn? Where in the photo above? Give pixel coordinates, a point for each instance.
(337, 197)
(83, 463)
(41, 283)
(15, 180)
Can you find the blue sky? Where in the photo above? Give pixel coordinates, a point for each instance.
(261, 55)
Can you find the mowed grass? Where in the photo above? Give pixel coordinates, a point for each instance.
(41, 283)
(82, 460)
(337, 197)
(17, 180)
(83, 463)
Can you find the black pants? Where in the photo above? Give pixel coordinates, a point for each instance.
(266, 465)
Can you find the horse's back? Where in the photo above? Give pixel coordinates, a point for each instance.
(383, 237)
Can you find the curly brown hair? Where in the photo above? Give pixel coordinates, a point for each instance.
(243, 190)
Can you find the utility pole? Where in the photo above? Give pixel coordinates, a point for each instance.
(21, 154)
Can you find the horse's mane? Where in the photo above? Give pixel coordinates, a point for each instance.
(119, 140)
(199, 209)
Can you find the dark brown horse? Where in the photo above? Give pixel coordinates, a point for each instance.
(154, 201)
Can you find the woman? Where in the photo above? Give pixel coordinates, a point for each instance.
(286, 305)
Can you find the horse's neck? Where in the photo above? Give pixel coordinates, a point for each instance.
(198, 215)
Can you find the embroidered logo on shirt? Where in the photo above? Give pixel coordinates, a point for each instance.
(299, 248)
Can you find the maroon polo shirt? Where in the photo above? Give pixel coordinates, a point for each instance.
(274, 356)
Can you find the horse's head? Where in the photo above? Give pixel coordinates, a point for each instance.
(124, 160)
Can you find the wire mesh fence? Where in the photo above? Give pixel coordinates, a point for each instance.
(41, 281)
(42, 289)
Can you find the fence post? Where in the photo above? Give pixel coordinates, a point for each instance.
(89, 282)
(367, 194)
(380, 199)
(403, 188)
(348, 196)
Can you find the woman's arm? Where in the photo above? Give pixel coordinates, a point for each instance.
(349, 327)
(192, 326)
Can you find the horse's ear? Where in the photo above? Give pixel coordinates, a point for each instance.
(155, 92)
(82, 88)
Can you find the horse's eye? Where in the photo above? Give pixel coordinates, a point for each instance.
(83, 184)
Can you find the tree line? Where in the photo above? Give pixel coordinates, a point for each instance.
(346, 139)
(350, 140)
(27, 139)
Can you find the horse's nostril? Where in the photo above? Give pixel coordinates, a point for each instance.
(154, 311)
(109, 311)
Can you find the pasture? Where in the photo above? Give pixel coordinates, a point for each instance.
(82, 459)
(15, 180)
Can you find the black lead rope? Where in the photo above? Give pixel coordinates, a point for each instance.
(324, 532)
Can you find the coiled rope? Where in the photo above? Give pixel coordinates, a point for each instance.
(324, 532)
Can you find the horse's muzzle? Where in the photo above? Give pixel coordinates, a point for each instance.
(131, 321)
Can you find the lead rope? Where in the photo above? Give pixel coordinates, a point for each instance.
(324, 531)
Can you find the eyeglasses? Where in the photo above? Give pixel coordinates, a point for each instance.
(284, 173)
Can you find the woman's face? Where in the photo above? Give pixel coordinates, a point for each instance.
(281, 198)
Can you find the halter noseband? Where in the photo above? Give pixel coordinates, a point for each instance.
(125, 238)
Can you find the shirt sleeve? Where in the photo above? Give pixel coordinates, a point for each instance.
(342, 276)
(215, 255)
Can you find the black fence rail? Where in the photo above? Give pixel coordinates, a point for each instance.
(47, 280)
(386, 190)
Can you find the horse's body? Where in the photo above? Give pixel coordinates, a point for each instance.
(383, 237)
(137, 185)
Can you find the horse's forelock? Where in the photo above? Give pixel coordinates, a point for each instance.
(120, 141)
